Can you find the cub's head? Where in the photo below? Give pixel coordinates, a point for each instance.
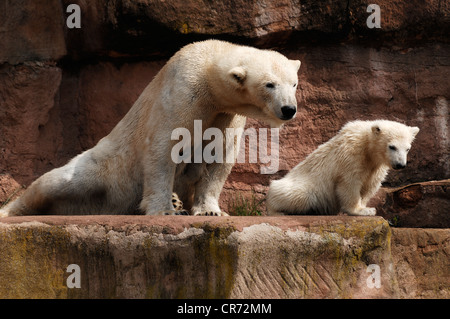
(395, 139)
(265, 83)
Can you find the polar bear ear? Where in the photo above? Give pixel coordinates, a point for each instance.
(238, 74)
(414, 130)
(376, 129)
(296, 64)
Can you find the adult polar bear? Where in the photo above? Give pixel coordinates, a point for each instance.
(131, 170)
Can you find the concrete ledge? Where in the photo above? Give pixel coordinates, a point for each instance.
(195, 257)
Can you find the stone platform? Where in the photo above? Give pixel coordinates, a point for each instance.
(212, 257)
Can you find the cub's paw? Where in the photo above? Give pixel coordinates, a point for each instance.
(366, 211)
(211, 213)
(363, 211)
(3, 213)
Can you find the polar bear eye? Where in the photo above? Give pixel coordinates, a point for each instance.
(295, 84)
(270, 85)
(392, 147)
(407, 150)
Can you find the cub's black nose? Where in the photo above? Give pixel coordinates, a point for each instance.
(288, 111)
(399, 166)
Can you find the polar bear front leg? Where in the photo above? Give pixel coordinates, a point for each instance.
(349, 194)
(208, 189)
(213, 176)
(158, 183)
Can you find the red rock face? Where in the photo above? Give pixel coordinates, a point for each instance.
(418, 205)
(61, 89)
(31, 30)
(29, 136)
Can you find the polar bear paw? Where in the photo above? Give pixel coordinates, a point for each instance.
(3, 213)
(366, 211)
(178, 206)
(211, 213)
(176, 202)
(175, 212)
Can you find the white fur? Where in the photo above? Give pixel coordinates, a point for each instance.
(131, 171)
(345, 172)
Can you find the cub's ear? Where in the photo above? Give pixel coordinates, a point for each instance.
(376, 129)
(296, 64)
(238, 74)
(414, 130)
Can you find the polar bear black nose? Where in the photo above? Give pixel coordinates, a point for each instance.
(399, 166)
(288, 111)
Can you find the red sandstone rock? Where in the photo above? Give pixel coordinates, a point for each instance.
(9, 188)
(107, 92)
(29, 133)
(424, 205)
(37, 30)
(156, 25)
(31, 30)
(421, 262)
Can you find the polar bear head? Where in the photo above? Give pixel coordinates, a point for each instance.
(264, 85)
(394, 142)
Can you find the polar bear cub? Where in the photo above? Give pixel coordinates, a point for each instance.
(345, 172)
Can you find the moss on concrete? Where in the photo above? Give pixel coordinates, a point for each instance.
(204, 268)
(30, 270)
(206, 260)
(351, 245)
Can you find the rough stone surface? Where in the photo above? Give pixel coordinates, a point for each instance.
(9, 188)
(37, 30)
(195, 257)
(421, 205)
(422, 262)
(158, 25)
(49, 115)
(31, 30)
(28, 134)
(105, 94)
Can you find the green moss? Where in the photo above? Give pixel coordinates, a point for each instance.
(183, 28)
(245, 206)
(355, 228)
(219, 261)
(201, 266)
(351, 245)
(34, 258)
(26, 267)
